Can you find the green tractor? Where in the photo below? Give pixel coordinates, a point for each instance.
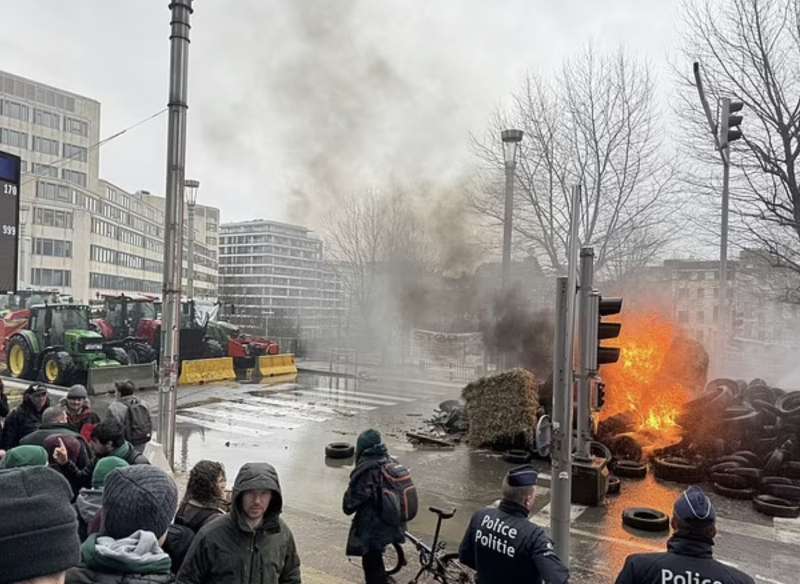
(57, 346)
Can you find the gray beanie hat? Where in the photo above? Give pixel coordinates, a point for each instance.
(140, 496)
(39, 530)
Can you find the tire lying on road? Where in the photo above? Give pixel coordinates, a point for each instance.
(645, 519)
(742, 494)
(788, 492)
(614, 485)
(517, 456)
(775, 506)
(630, 469)
(680, 470)
(730, 480)
(339, 450)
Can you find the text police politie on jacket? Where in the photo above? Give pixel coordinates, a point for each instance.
(687, 577)
(497, 535)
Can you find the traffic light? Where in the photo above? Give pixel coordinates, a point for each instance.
(598, 394)
(729, 123)
(601, 307)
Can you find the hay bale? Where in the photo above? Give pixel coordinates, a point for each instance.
(502, 409)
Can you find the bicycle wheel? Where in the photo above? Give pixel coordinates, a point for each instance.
(454, 571)
(394, 558)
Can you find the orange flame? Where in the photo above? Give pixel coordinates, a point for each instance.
(649, 379)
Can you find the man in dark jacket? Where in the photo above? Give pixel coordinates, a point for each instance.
(54, 423)
(369, 534)
(688, 557)
(138, 505)
(249, 545)
(26, 417)
(503, 546)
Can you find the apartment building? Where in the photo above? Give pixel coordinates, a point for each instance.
(274, 280)
(78, 233)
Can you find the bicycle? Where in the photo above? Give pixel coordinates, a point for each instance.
(436, 564)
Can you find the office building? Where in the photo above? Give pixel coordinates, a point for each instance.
(274, 280)
(78, 233)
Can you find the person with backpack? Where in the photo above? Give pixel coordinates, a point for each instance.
(132, 414)
(377, 493)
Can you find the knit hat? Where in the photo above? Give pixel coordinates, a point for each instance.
(694, 508)
(138, 497)
(25, 455)
(77, 391)
(39, 531)
(103, 468)
(522, 476)
(366, 440)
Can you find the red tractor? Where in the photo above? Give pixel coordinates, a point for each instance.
(131, 322)
(244, 349)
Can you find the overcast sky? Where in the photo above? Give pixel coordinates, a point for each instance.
(285, 95)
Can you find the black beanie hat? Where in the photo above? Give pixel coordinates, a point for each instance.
(137, 497)
(39, 529)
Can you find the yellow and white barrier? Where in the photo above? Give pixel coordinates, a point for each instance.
(271, 365)
(196, 371)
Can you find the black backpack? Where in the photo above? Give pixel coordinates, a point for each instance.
(138, 425)
(399, 502)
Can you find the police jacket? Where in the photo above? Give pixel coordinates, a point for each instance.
(503, 546)
(687, 559)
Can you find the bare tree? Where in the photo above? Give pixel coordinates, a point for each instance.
(750, 50)
(594, 124)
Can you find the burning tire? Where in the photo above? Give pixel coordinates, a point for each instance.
(741, 494)
(614, 486)
(339, 450)
(517, 456)
(645, 519)
(630, 469)
(679, 470)
(775, 506)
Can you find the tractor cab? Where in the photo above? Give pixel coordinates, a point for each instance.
(59, 324)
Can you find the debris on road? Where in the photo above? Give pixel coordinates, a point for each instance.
(421, 438)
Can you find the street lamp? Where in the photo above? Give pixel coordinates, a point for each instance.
(190, 187)
(511, 140)
(24, 215)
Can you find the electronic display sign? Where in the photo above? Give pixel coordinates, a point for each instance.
(9, 221)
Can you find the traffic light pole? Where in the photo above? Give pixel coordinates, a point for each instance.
(173, 225)
(585, 346)
(722, 325)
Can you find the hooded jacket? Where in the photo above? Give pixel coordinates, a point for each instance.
(136, 559)
(368, 532)
(228, 551)
(23, 420)
(195, 515)
(87, 505)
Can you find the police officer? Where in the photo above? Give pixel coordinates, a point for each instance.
(504, 546)
(688, 556)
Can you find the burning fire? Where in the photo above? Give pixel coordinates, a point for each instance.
(650, 379)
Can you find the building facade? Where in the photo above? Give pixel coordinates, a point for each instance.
(274, 280)
(78, 233)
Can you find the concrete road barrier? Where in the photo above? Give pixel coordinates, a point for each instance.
(271, 365)
(194, 371)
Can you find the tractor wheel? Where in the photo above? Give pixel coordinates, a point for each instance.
(57, 368)
(213, 349)
(119, 355)
(144, 353)
(20, 358)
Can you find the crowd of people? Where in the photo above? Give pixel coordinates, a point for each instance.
(81, 504)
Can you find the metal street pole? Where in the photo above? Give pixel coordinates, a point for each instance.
(563, 384)
(722, 325)
(584, 425)
(511, 140)
(173, 218)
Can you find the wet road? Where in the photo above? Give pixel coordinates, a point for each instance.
(288, 425)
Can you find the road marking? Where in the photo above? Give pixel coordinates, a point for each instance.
(279, 410)
(252, 432)
(302, 406)
(337, 396)
(381, 396)
(295, 397)
(267, 421)
(575, 511)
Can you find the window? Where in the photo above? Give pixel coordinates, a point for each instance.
(74, 126)
(112, 282)
(44, 170)
(45, 277)
(54, 192)
(75, 177)
(104, 228)
(683, 316)
(716, 292)
(73, 152)
(13, 138)
(46, 119)
(211, 240)
(45, 146)
(716, 313)
(683, 292)
(52, 247)
(701, 317)
(701, 292)
(12, 109)
(52, 217)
